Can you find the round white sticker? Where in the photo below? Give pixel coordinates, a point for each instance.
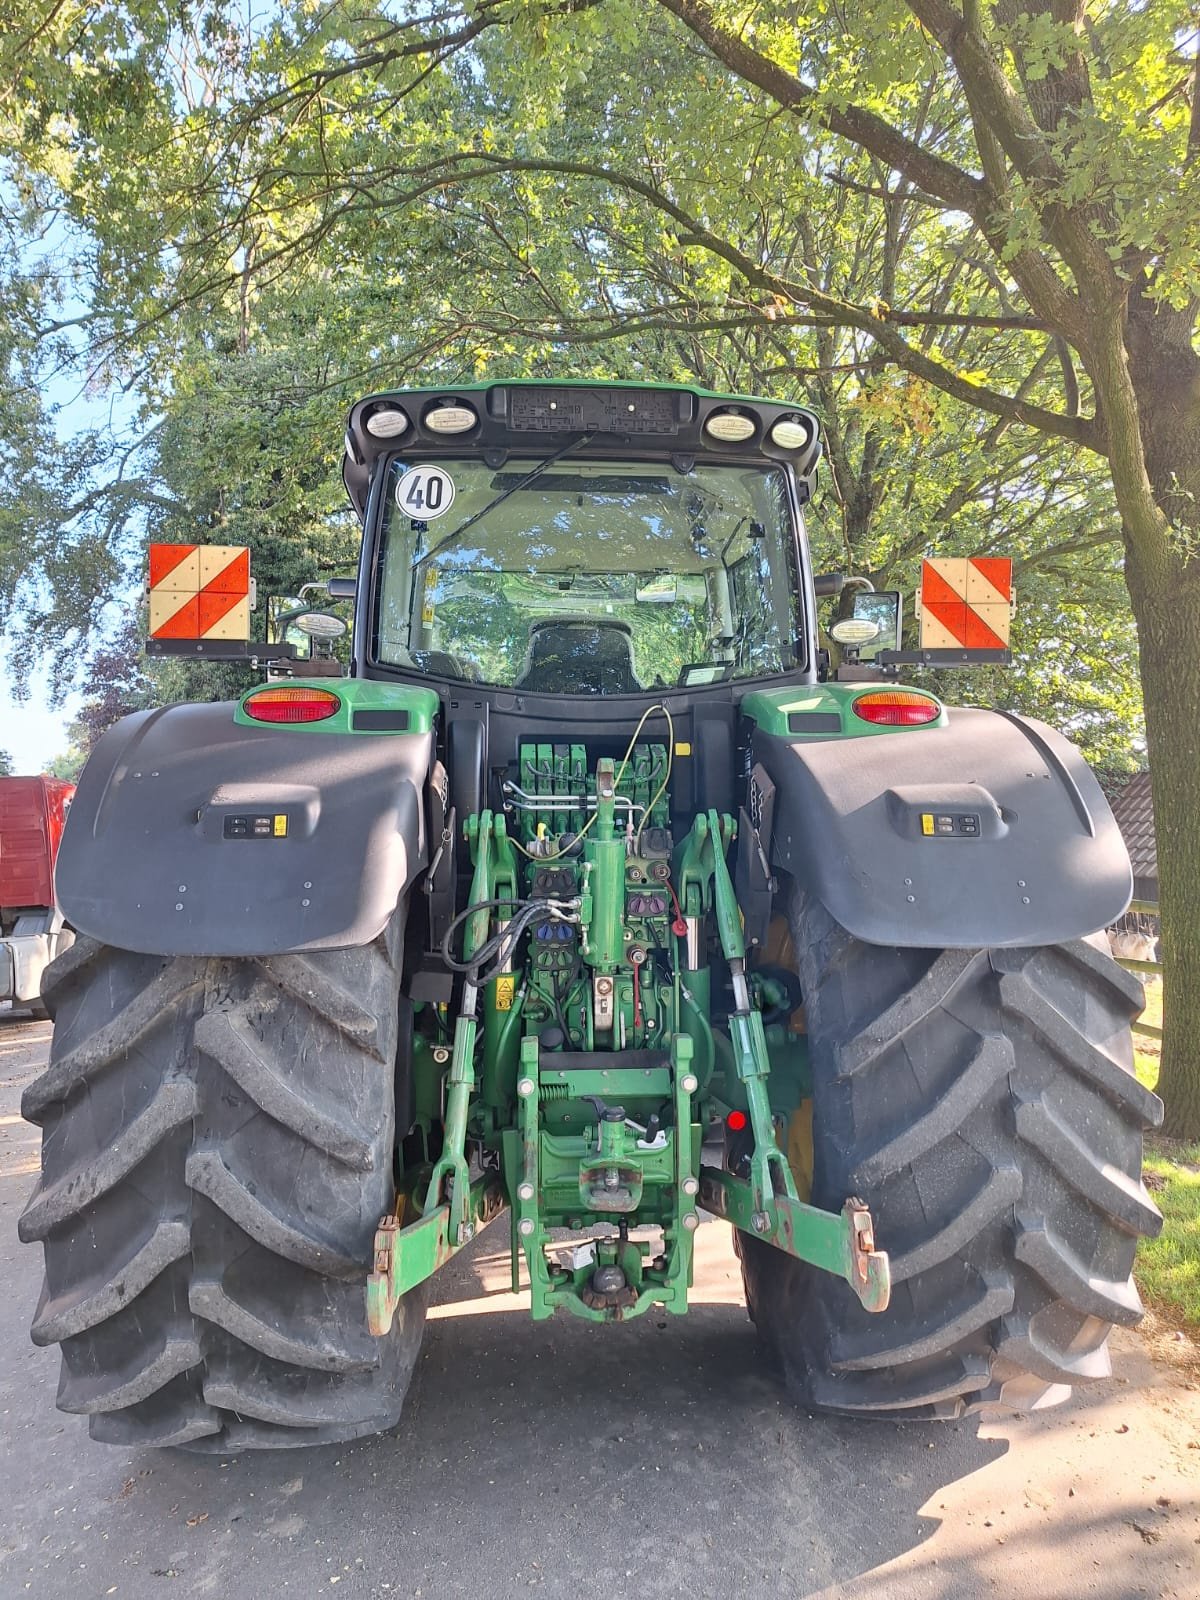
(425, 492)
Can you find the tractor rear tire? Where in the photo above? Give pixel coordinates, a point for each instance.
(983, 1104)
(217, 1151)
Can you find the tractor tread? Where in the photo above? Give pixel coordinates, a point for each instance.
(1122, 1198)
(306, 981)
(208, 1174)
(141, 1016)
(1061, 1270)
(1021, 997)
(273, 1087)
(87, 1304)
(988, 1114)
(945, 1380)
(76, 1190)
(882, 1348)
(996, 1196)
(115, 1391)
(1020, 1343)
(861, 1050)
(990, 1063)
(210, 1300)
(206, 1261)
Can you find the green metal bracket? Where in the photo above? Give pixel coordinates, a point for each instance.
(452, 1205)
(703, 853)
(406, 1256)
(839, 1242)
(662, 1284)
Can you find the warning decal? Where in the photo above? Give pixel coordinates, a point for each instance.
(966, 602)
(199, 591)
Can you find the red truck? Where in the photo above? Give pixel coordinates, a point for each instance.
(32, 813)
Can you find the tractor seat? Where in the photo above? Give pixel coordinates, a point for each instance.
(579, 655)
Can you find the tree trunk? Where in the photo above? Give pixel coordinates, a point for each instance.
(1168, 619)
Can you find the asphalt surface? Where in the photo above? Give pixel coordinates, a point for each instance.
(656, 1459)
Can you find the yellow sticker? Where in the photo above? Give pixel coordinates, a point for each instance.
(682, 747)
(927, 822)
(427, 614)
(506, 984)
(281, 824)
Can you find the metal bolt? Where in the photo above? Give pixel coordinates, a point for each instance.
(525, 1088)
(1024, 899)
(760, 1222)
(911, 898)
(179, 905)
(306, 902)
(908, 883)
(691, 1186)
(1020, 883)
(440, 1054)
(689, 1083)
(525, 1191)
(525, 1226)
(182, 888)
(691, 1221)
(307, 885)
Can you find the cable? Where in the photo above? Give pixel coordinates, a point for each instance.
(662, 788)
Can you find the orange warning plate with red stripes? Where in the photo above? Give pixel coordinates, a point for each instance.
(199, 591)
(966, 602)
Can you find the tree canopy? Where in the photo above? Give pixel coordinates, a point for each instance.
(967, 235)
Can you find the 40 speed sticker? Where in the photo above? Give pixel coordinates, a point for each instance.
(425, 492)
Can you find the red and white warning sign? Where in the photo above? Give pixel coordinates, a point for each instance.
(966, 603)
(199, 591)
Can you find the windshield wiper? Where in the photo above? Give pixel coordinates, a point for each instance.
(522, 483)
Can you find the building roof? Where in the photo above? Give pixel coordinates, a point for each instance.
(1134, 811)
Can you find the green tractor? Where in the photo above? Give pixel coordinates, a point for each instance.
(592, 895)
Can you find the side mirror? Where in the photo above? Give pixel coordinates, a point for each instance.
(342, 588)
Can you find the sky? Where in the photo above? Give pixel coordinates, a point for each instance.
(35, 732)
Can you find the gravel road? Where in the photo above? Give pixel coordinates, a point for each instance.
(657, 1459)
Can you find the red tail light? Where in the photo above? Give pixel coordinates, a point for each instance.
(736, 1121)
(291, 705)
(896, 708)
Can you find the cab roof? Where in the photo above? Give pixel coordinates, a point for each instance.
(535, 417)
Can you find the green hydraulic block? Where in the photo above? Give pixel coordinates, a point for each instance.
(839, 1242)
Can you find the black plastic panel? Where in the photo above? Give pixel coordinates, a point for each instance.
(190, 835)
(379, 721)
(1033, 855)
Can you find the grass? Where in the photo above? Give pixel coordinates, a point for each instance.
(1147, 1052)
(1168, 1268)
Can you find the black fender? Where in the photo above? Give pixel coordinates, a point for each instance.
(1032, 855)
(173, 844)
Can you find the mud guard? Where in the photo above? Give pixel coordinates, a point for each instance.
(192, 835)
(990, 831)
